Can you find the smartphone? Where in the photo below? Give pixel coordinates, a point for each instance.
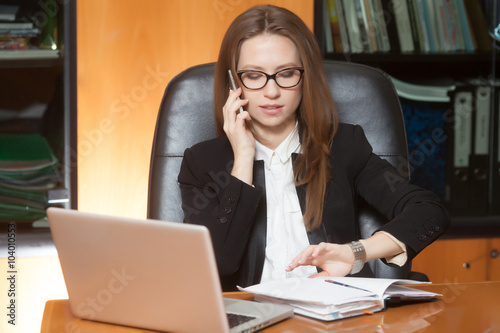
(233, 85)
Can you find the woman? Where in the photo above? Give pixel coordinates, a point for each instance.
(277, 189)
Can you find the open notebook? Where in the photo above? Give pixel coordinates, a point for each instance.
(332, 298)
(148, 274)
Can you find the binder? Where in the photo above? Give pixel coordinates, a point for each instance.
(495, 158)
(427, 143)
(479, 159)
(458, 185)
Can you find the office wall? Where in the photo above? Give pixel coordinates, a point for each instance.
(128, 51)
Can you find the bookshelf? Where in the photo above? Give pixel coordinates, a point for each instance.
(424, 64)
(37, 89)
(472, 239)
(428, 67)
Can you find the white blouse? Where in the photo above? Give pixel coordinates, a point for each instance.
(286, 232)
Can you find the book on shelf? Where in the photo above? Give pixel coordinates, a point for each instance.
(403, 25)
(21, 151)
(19, 33)
(14, 44)
(334, 298)
(17, 38)
(333, 18)
(28, 170)
(328, 16)
(15, 25)
(427, 26)
(353, 28)
(8, 12)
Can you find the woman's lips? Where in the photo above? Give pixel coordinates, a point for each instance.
(271, 108)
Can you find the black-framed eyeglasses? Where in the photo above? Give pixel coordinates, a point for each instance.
(285, 78)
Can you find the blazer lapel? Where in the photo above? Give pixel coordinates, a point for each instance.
(252, 266)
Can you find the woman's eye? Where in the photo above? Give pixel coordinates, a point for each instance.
(287, 74)
(254, 76)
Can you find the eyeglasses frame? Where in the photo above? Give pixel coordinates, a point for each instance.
(271, 76)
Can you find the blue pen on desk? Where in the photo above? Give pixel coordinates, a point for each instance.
(346, 285)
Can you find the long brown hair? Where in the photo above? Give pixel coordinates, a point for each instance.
(317, 116)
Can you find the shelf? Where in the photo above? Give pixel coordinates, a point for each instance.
(481, 226)
(30, 58)
(421, 66)
(414, 57)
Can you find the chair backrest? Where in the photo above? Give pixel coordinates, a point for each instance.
(363, 95)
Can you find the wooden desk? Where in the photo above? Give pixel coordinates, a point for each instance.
(464, 307)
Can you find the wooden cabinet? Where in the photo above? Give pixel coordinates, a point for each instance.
(460, 260)
(127, 54)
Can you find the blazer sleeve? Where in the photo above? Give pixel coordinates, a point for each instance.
(416, 216)
(219, 201)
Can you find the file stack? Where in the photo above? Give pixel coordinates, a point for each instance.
(28, 169)
(454, 142)
(470, 130)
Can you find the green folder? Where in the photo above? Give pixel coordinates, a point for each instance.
(19, 151)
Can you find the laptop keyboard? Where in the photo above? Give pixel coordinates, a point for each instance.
(237, 319)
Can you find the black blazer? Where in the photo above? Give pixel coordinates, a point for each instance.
(235, 212)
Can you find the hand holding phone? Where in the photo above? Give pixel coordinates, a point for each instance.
(233, 86)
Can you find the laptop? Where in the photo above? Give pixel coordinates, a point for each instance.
(148, 274)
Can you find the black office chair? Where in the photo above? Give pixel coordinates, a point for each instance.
(363, 95)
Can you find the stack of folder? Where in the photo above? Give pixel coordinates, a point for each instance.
(28, 170)
(471, 175)
(453, 134)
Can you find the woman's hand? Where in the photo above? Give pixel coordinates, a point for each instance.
(338, 260)
(241, 138)
(333, 259)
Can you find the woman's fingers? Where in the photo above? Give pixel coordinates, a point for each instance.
(334, 259)
(234, 121)
(303, 258)
(233, 103)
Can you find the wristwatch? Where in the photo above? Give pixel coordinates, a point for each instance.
(359, 256)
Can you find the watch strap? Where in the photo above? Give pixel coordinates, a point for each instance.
(359, 256)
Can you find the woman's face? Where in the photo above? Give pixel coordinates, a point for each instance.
(272, 108)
